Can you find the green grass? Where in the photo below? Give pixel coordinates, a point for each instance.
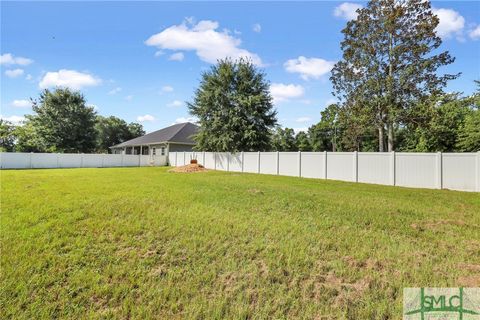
(144, 243)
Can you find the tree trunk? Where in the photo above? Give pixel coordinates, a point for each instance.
(390, 137)
(381, 143)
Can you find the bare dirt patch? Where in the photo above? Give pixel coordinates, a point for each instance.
(255, 191)
(189, 168)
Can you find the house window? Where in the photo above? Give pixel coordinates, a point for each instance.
(162, 151)
(154, 151)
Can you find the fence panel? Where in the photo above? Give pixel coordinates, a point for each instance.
(313, 165)
(209, 160)
(92, 160)
(375, 167)
(15, 160)
(340, 166)
(457, 171)
(250, 162)
(288, 164)
(45, 160)
(416, 170)
(235, 162)
(222, 161)
(268, 162)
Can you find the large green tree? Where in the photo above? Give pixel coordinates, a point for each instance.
(234, 108)
(112, 130)
(389, 64)
(62, 122)
(324, 135)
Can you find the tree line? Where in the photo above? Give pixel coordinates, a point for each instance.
(63, 122)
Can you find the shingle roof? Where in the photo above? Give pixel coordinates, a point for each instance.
(180, 133)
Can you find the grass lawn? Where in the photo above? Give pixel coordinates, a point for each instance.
(144, 243)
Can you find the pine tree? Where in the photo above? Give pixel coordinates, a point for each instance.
(234, 108)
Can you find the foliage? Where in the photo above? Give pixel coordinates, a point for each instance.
(283, 140)
(7, 136)
(142, 243)
(389, 63)
(234, 108)
(324, 135)
(302, 141)
(112, 130)
(62, 122)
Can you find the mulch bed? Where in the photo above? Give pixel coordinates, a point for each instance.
(189, 168)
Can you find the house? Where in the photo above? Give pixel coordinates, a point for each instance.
(178, 137)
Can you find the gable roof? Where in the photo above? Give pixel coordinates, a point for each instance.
(178, 133)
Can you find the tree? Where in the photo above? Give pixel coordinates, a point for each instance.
(390, 63)
(283, 140)
(62, 123)
(469, 132)
(7, 136)
(437, 125)
(112, 130)
(324, 135)
(303, 142)
(234, 108)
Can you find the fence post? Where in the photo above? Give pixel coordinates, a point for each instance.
(122, 163)
(439, 171)
(325, 165)
(278, 162)
(214, 161)
(243, 160)
(355, 166)
(299, 163)
(228, 161)
(258, 162)
(81, 160)
(184, 157)
(392, 168)
(103, 160)
(58, 160)
(139, 158)
(478, 171)
(203, 157)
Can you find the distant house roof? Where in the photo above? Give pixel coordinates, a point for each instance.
(178, 133)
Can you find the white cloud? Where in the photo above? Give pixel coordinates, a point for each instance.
(309, 67)
(347, 10)
(208, 43)
(29, 77)
(129, 97)
(475, 33)
(303, 119)
(159, 53)
(451, 23)
(281, 92)
(115, 90)
(257, 27)
(23, 103)
(183, 120)
(14, 73)
(178, 56)
(10, 59)
(68, 78)
(146, 117)
(175, 104)
(167, 89)
(297, 130)
(16, 120)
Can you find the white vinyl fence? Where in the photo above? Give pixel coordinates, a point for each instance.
(457, 171)
(20, 160)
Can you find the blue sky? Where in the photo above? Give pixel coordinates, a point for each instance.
(141, 61)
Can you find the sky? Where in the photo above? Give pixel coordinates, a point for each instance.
(141, 61)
